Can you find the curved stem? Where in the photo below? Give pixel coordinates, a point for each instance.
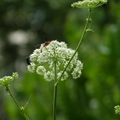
(21, 111)
(87, 25)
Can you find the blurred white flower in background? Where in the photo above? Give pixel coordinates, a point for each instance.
(20, 37)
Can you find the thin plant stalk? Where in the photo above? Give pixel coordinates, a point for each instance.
(54, 101)
(87, 25)
(55, 90)
(21, 111)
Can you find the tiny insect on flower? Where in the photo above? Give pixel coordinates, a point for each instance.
(41, 46)
(28, 60)
(46, 43)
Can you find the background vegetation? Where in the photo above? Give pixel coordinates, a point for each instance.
(23, 25)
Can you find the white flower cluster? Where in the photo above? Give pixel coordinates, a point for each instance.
(52, 59)
(90, 4)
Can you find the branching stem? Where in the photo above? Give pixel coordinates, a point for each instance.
(21, 111)
(87, 25)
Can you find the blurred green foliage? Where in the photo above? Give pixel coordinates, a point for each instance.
(23, 25)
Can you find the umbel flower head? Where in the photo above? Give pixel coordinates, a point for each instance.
(8, 79)
(52, 59)
(89, 4)
(117, 109)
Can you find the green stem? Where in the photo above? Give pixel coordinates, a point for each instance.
(87, 25)
(21, 111)
(55, 89)
(54, 101)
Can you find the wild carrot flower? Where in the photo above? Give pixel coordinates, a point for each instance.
(44, 59)
(90, 4)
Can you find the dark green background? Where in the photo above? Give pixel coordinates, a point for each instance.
(92, 96)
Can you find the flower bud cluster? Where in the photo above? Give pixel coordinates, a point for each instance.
(89, 4)
(8, 79)
(53, 58)
(117, 109)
